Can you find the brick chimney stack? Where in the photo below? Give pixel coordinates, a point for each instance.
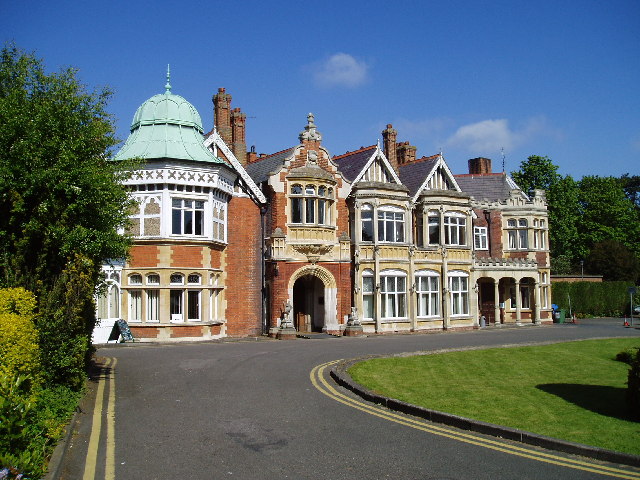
(222, 115)
(389, 137)
(480, 166)
(239, 142)
(406, 153)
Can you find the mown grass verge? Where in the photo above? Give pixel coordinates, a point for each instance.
(573, 391)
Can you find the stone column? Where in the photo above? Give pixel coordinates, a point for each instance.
(446, 315)
(536, 300)
(496, 308)
(518, 303)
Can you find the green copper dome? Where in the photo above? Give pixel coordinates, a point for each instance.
(166, 127)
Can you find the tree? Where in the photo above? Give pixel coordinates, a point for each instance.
(536, 172)
(613, 261)
(631, 187)
(562, 202)
(61, 198)
(563, 206)
(607, 214)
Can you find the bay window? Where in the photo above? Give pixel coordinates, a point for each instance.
(311, 204)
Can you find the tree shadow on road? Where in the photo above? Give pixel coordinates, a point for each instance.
(604, 400)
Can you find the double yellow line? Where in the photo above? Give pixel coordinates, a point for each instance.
(319, 381)
(96, 427)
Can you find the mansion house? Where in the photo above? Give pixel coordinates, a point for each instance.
(229, 243)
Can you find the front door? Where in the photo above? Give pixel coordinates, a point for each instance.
(308, 304)
(487, 302)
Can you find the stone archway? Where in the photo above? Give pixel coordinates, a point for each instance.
(313, 294)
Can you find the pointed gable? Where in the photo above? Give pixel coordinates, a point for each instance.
(427, 173)
(369, 164)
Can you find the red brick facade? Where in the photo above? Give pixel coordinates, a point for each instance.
(144, 256)
(243, 266)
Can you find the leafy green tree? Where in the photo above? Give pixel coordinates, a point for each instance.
(631, 186)
(536, 172)
(563, 207)
(61, 200)
(539, 172)
(607, 214)
(613, 261)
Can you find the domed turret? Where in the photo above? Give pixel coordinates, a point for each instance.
(166, 127)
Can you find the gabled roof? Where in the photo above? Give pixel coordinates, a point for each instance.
(417, 174)
(264, 166)
(489, 186)
(354, 165)
(414, 174)
(351, 164)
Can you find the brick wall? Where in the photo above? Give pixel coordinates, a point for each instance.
(185, 256)
(144, 256)
(244, 284)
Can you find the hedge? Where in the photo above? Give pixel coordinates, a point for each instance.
(592, 299)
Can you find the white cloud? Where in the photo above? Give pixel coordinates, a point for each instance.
(492, 135)
(340, 70)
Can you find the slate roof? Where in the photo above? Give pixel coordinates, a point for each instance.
(414, 174)
(351, 164)
(259, 170)
(489, 186)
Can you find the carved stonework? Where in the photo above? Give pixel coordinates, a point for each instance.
(310, 132)
(313, 251)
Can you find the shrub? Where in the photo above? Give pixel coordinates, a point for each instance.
(626, 356)
(19, 348)
(17, 414)
(633, 387)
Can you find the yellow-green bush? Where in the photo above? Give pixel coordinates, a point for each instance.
(18, 301)
(19, 350)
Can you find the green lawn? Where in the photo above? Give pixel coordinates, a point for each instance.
(573, 391)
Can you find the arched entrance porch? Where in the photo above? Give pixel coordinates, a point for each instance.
(313, 294)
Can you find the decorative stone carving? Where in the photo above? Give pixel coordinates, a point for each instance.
(313, 251)
(310, 132)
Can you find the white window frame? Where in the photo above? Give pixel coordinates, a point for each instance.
(455, 229)
(481, 238)
(459, 293)
(153, 305)
(391, 224)
(368, 291)
(393, 294)
(427, 294)
(518, 233)
(367, 210)
(135, 306)
(194, 208)
(311, 202)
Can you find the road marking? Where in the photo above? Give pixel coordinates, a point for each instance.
(320, 382)
(110, 457)
(96, 426)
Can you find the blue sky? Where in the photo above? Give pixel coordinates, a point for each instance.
(556, 78)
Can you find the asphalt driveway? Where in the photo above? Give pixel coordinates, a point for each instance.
(250, 410)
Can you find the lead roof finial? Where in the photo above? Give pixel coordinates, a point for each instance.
(168, 85)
